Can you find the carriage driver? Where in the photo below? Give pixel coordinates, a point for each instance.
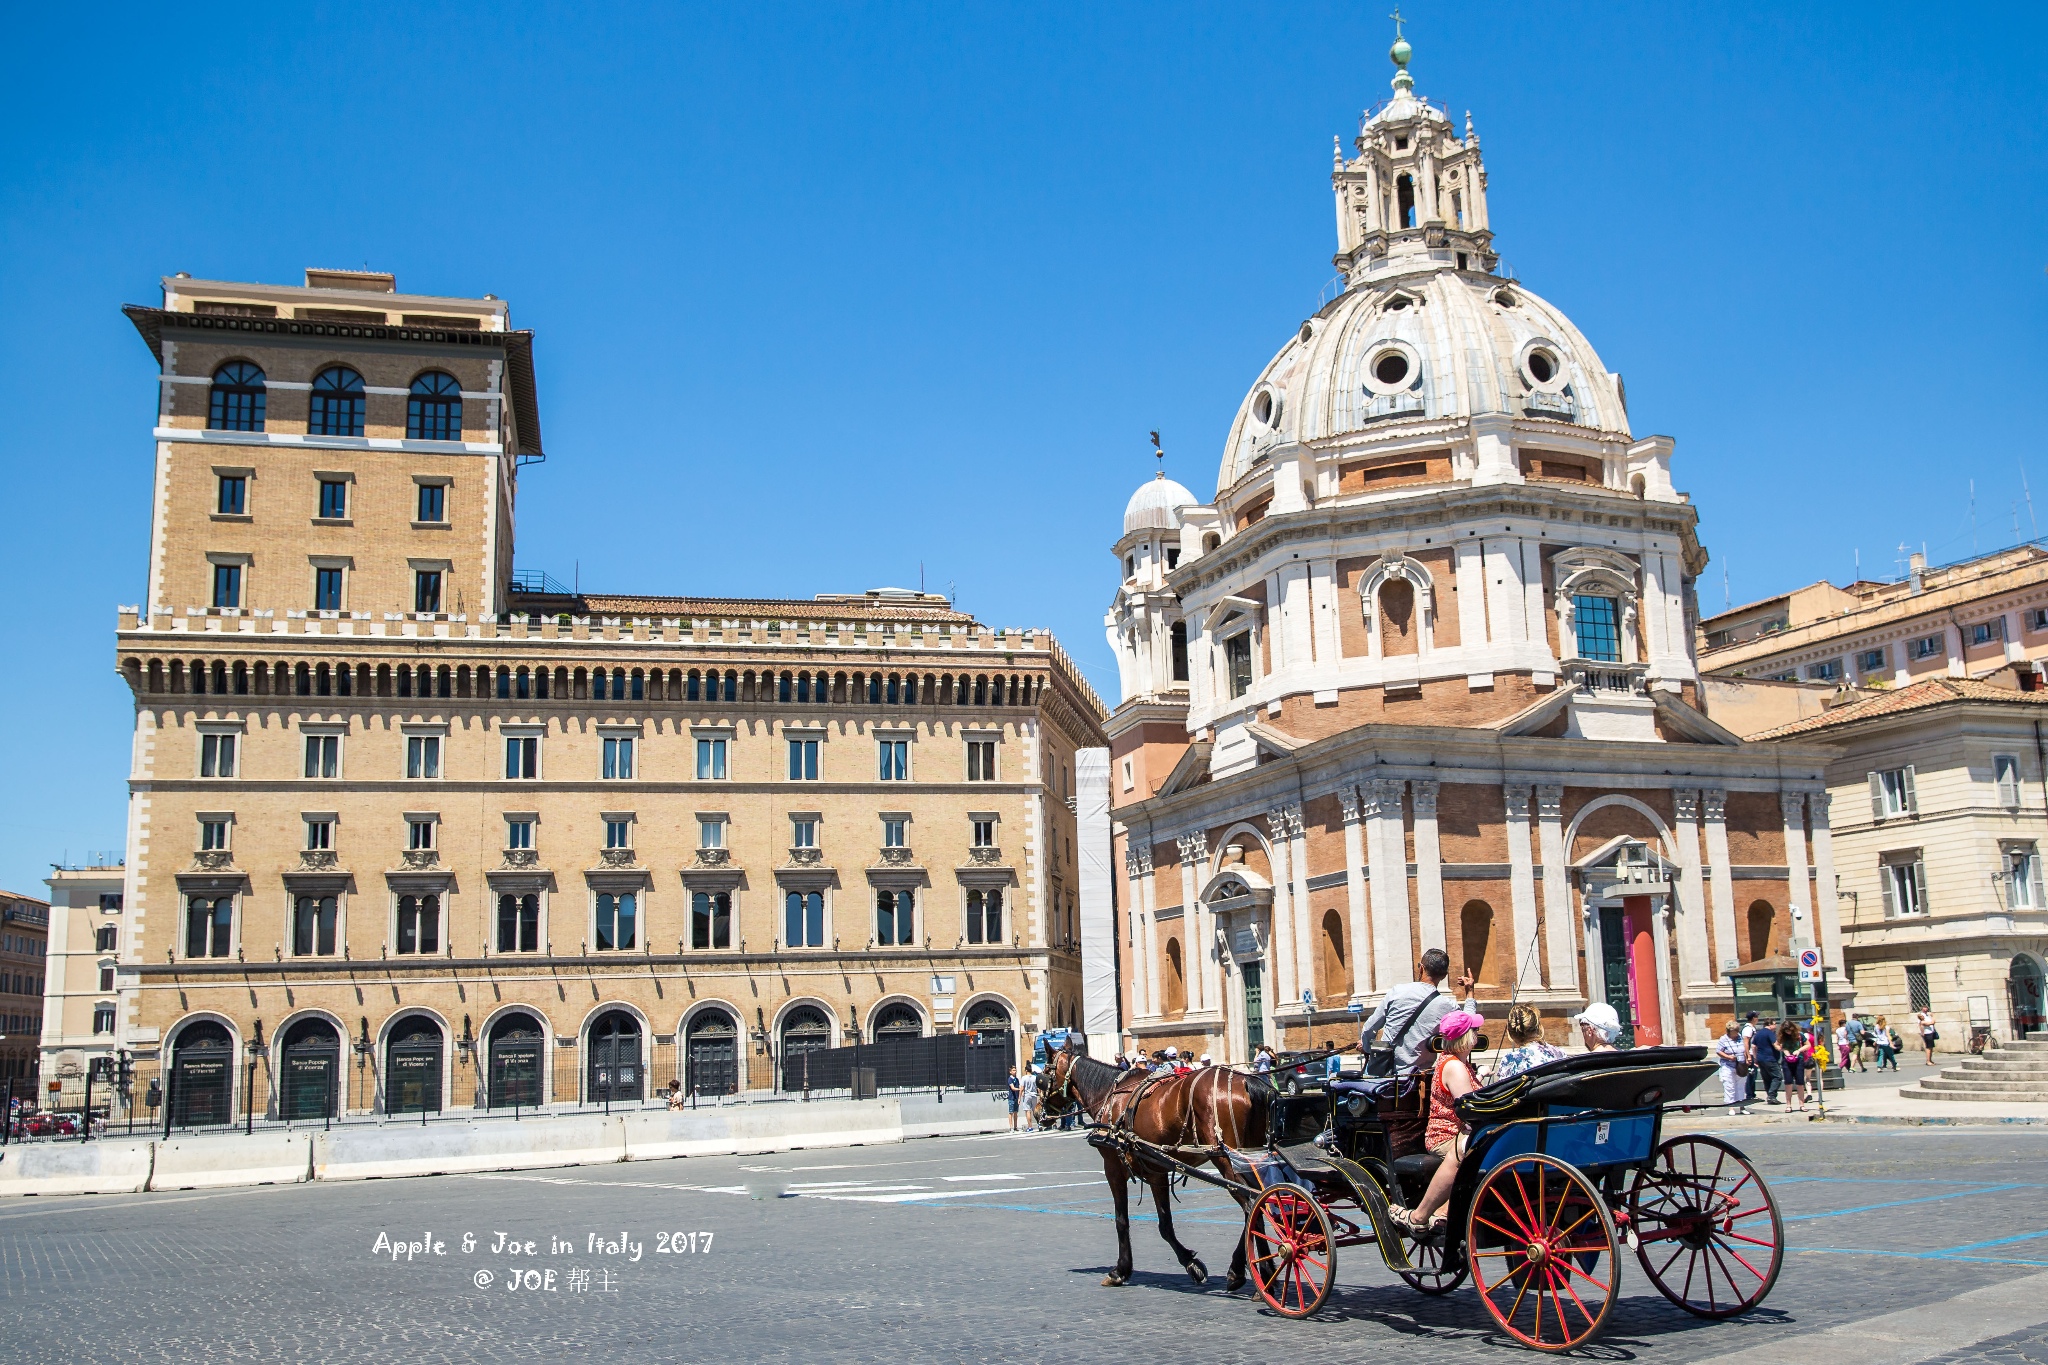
(1408, 1017)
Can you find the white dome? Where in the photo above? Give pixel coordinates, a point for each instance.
(1157, 506)
(1438, 344)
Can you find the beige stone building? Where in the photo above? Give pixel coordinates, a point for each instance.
(1421, 673)
(83, 996)
(409, 832)
(24, 965)
(1939, 816)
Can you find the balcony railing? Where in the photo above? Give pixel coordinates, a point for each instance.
(1607, 679)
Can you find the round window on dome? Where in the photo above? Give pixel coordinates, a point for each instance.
(1390, 368)
(1542, 366)
(1262, 409)
(1505, 298)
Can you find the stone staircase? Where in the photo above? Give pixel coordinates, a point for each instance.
(2014, 1072)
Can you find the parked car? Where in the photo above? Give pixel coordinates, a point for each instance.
(43, 1123)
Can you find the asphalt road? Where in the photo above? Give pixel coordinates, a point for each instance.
(1908, 1245)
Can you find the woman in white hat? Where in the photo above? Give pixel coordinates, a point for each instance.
(1599, 1027)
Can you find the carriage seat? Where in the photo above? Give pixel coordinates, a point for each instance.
(1420, 1166)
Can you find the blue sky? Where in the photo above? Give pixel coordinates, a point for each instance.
(826, 298)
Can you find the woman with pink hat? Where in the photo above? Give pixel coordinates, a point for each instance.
(1452, 1077)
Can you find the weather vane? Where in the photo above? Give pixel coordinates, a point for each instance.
(1159, 452)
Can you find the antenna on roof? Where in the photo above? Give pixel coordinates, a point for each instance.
(1159, 451)
(2030, 500)
(1726, 600)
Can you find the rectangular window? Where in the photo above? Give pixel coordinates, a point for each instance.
(2005, 772)
(985, 916)
(227, 585)
(981, 760)
(895, 833)
(209, 926)
(333, 499)
(426, 590)
(319, 835)
(423, 756)
(313, 920)
(710, 833)
(1926, 647)
(1870, 661)
(106, 978)
(2023, 878)
(433, 502)
(803, 833)
(615, 921)
(618, 758)
(217, 755)
(804, 919)
(110, 902)
(984, 834)
(522, 756)
(106, 938)
(2037, 619)
(711, 919)
(1237, 664)
(213, 836)
(323, 755)
(895, 917)
(1988, 632)
(419, 835)
(1892, 793)
(711, 760)
(803, 760)
(419, 924)
(519, 834)
(1917, 995)
(1179, 640)
(234, 495)
(103, 1018)
(1597, 621)
(1903, 879)
(519, 923)
(618, 834)
(327, 589)
(1828, 670)
(895, 760)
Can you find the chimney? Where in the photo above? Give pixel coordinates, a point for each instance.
(1917, 571)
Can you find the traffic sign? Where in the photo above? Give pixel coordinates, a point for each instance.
(1355, 1007)
(1809, 965)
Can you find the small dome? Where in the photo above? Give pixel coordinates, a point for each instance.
(1157, 505)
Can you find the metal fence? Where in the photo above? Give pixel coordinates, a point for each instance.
(956, 1060)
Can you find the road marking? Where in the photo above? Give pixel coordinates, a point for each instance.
(1901, 1203)
(932, 1196)
(999, 1177)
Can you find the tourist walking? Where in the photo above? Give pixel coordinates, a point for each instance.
(1797, 1052)
(1856, 1033)
(1028, 1097)
(1887, 1046)
(1765, 1061)
(1923, 1018)
(1728, 1050)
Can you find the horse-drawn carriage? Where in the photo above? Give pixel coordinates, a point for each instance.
(1566, 1164)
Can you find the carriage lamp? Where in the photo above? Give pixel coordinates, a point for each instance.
(467, 1041)
(256, 1040)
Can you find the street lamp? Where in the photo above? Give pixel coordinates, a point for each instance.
(249, 1094)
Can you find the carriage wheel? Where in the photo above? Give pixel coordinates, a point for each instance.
(1542, 1252)
(1707, 1229)
(1429, 1274)
(1290, 1250)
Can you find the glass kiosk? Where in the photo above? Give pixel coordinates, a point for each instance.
(1771, 986)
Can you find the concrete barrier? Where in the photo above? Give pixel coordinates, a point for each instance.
(451, 1148)
(205, 1163)
(960, 1113)
(774, 1126)
(100, 1167)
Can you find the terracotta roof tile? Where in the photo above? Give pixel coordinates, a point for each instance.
(1918, 697)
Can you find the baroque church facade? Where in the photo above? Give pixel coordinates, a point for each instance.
(1421, 674)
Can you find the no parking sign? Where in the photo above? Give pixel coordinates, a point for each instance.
(1809, 964)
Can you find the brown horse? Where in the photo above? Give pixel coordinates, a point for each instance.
(1195, 1117)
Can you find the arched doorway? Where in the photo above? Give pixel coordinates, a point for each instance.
(805, 1029)
(712, 1054)
(412, 1067)
(615, 1071)
(202, 1076)
(312, 1071)
(897, 1023)
(993, 1050)
(2023, 983)
(515, 1046)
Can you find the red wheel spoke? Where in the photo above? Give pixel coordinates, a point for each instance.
(1522, 1192)
(1572, 1267)
(1737, 1257)
(1577, 1300)
(1725, 1237)
(1505, 1232)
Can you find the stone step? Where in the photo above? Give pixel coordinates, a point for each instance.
(1988, 1089)
(2027, 1095)
(2033, 1042)
(2005, 1066)
(2038, 1036)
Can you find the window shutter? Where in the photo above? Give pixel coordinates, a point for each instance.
(1884, 882)
(1920, 887)
(1876, 797)
(1912, 797)
(2008, 780)
(2034, 880)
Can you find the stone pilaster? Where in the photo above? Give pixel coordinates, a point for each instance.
(1365, 954)
(1429, 865)
(1800, 894)
(1387, 859)
(1827, 904)
(1720, 882)
(1522, 888)
(1280, 954)
(1559, 944)
(1194, 855)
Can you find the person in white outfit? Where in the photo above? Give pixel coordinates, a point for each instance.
(1728, 1050)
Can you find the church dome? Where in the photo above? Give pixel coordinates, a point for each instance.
(1444, 345)
(1157, 506)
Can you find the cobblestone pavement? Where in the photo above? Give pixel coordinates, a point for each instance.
(954, 1249)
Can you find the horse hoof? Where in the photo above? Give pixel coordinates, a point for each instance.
(1198, 1272)
(1234, 1282)
(1112, 1282)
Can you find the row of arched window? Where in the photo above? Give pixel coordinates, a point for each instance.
(240, 398)
(506, 683)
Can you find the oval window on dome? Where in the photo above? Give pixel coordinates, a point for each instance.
(1262, 409)
(1390, 368)
(1542, 366)
(1505, 298)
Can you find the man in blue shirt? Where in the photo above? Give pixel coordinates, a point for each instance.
(1765, 1058)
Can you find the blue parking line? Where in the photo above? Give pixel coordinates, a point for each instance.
(1902, 1203)
(1994, 1242)
(1913, 1255)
